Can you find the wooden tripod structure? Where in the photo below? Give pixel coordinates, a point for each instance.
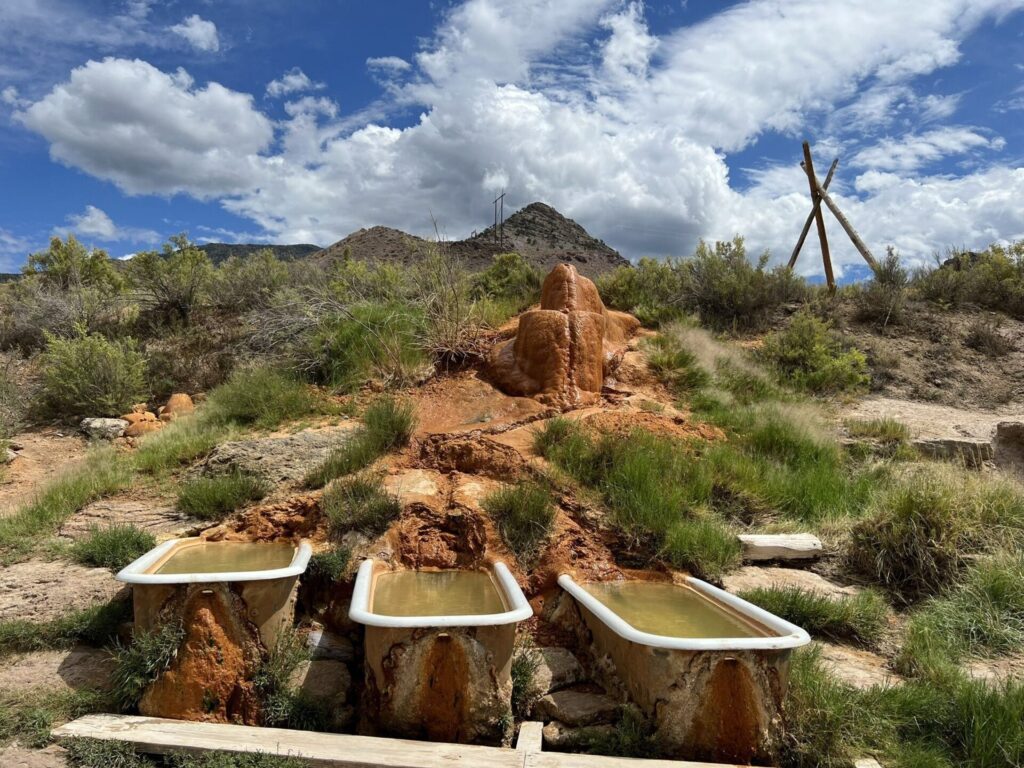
(819, 195)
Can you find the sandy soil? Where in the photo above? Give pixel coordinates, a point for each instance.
(932, 420)
(42, 456)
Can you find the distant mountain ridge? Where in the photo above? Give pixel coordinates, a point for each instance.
(538, 232)
(218, 252)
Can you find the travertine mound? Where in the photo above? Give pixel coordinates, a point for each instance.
(562, 352)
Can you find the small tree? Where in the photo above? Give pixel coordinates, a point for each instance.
(171, 284)
(68, 265)
(248, 282)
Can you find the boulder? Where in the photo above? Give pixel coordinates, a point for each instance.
(323, 680)
(279, 459)
(103, 429)
(557, 669)
(577, 708)
(972, 451)
(329, 646)
(179, 404)
(144, 427)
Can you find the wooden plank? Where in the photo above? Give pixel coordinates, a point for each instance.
(780, 546)
(845, 224)
(531, 737)
(810, 216)
(866, 762)
(812, 181)
(160, 736)
(567, 760)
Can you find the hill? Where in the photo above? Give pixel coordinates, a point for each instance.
(538, 232)
(218, 252)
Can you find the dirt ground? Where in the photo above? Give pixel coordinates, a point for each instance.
(41, 456)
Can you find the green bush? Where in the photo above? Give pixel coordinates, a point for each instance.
(173, 284)
(137, 665)
(359, 503)
(90, 375)
(245, 283)
(283, 705)
(993, 279)
(95, 626)
(883, 298)
(331, 564)
(859, 617)
(807, 356)
(216, 497)
(526, 660)
(261, 397)
(631, 736)
(524, 515)
(68, 265)
(509, 277)
(113, 547)
(652, 290)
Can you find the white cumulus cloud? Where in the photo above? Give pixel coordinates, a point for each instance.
(200, 33)
(94, 222)
(292, 81)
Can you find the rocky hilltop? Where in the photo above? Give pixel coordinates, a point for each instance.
(538, 232)
(218, 252)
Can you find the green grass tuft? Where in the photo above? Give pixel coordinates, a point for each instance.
(860, 618)
(139, 664)
(359, 503)
(526, 660)
(261, 397)
(113, 547)
(676, 366)
(216, 497)
(524, 515)
(885, 430)
(29, 715)
(96, 626)
(331, 564)
(705, 547)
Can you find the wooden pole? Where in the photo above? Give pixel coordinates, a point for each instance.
(811, 215)
(819, 218)
(844, 223)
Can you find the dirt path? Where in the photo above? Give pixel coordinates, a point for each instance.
(41, 456)
(932, 421)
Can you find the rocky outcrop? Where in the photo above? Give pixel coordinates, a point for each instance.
(278, 459)
(179, 404)
(562, 352)
(103, 429)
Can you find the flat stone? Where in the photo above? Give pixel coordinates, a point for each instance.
(856, 667)
(103, 429)
(973, 451)
(17, 756)
(412, 485)
(161, 520)
(279, 459)
(40, 590)
(560, 736)
(80, 667)
(327, 645)
(766, 577)
(575, 708)
(323, 679)
(780, 546)
(558, 668)
(8, 456)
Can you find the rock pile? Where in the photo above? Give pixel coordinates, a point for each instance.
(562, 352)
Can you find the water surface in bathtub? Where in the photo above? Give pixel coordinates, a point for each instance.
(227, 557)
(436, 593)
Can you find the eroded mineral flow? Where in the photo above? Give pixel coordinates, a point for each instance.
(562, 352)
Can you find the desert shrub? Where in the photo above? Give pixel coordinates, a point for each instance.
(216, 497)
(137, 665)
(30, 310)
(193, 359)
(859, 617)
(66, 264)
(882, 299)
(90, 375)
(13, 403)
(388, 423)
(983, 615)
(359, 503)
(984, 335)
(921, 530)
(261, 397)
(884, 430)
(330, 564)
(452, 334)
(652, 290)
(526, 660)
(993, 278)
(508, 277)
(29, 715)
(96, 626)
(524, 514)
(113, 547)
(727, 291)
(170, 285)
(241, 284)
(808, 356)
(676, 366)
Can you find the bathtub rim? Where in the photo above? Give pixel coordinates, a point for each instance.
(135, 572)
(789, 634)
(359, 609)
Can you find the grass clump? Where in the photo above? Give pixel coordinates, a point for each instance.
(216, 497)
(859, 617)
(885, 430)
(96, 753)
(923, 528)
(985, 335)
(179, 443)
(137, 665)
(808, 356)
(283, 705)
(526, 660)
(388, 423)
(361, 504)
(29, 715)
(262, 398)
(113, 547)
(331, 564)
(631, 736)
(90, 375)
(524, 514)
(705, 545)
(95, 626)
(676, 366)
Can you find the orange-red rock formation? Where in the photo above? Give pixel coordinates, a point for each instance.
(562, 352)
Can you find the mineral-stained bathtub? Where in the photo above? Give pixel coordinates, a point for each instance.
(714, 697)
(438, 650)
(232, 599)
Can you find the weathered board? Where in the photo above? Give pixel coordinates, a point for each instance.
(780, 546)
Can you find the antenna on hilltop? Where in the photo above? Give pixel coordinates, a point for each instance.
(499, 223)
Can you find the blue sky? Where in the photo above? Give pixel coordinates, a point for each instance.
(653, 124)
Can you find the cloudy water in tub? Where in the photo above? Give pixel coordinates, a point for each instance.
(436, 593)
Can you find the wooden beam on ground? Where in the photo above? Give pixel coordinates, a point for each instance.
(531, 737)
(812, 181)
(843, 222)
(780, 546)
(810, 216)
(159, 736)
